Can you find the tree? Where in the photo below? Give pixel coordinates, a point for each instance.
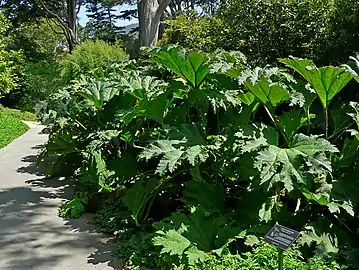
(178, 7)
(102, 24)
(10, 60)
(150, 13)
(61, 12)
(38, 40)
(64, 14)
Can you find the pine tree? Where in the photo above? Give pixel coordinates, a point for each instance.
(103, 18)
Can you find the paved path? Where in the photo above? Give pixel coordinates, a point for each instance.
(31, 235)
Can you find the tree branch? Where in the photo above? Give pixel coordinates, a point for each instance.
(63, 28)
(80, 3)
(63, 23)
(163, 4)
(49, 24)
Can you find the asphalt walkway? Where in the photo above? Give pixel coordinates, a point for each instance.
(32, 236)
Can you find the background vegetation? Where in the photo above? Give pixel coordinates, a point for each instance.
(189, 152)
(325, 31)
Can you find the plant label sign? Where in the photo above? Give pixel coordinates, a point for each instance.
(281, 237)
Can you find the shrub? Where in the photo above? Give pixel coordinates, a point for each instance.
(212, 152)
(40, 39)
(136, 250)
(73, 208)
(323, 30)
(91, 55)
(41, 80)
(10, 60)
(193, 31)
(265, 257)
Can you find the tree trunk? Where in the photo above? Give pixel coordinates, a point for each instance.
(72, 24)
(150, 13)
(65, 17)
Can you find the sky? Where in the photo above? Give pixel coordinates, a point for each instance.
(83, 19)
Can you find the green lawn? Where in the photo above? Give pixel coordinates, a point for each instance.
(11, 125)
(10, 129)
(13, 113)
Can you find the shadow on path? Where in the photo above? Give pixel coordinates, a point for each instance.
(32, 236)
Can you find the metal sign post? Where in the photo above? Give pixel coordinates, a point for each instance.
(281, 237)
(280, 259)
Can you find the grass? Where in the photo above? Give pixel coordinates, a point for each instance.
(17, 114)
(10, 129)
(11, 125)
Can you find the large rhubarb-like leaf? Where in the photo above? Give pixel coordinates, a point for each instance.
(306, 156)
(184, 144)
(172, 242)
(151, 99)
(190, 66)
(141, 87)
(99, 92)
(292, 121)
(61, 143)
(326, 81)
(209, 196)
(270, 94)
(138, 197)
(94, 172)
(194, 234)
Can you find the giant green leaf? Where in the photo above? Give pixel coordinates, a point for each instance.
(184, 143)
(270, 94)
(303, 95)
(194, 255)
(151, 99)
(191, 66)
(141, 87)
(254, 136)
(61, 143)
(99, 92)
(190, 132)
(138, 197)
(170, 161)
(228, 64)
(326, 81)
(290, 166)
(172, 153)
(292, 121)
(94, 172)
(155, 108)
(207, 195)
(172, 242)
(325, 243)
(205, 231)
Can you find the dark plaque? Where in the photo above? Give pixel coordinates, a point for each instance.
(281, 236)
